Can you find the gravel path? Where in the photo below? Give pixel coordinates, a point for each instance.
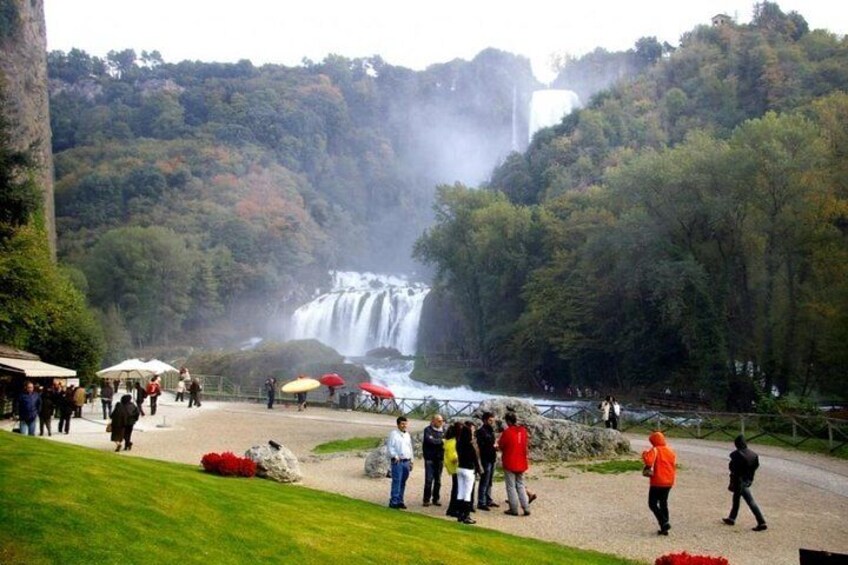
(803, 496)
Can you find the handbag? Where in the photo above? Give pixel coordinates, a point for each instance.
(648, 470)
(109, 427)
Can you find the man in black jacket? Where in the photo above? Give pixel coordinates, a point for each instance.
(743, 464)
(434, 457)
(488, 458)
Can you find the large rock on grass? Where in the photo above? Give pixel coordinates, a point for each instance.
(277, 464)
(377, 460)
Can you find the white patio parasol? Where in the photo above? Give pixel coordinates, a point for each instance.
(128, 369)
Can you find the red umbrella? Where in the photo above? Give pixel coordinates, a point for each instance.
(376, 390)
(331, 379)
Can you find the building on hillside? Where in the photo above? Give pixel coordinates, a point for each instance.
(721, 20)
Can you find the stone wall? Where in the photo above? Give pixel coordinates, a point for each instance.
(23, 79)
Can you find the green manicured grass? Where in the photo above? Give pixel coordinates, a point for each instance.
(352, 444)
(612, 467)
(67, 504)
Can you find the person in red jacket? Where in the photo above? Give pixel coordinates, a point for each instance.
(661, 461)
(513, 446)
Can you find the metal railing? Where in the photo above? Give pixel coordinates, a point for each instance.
(820, 432)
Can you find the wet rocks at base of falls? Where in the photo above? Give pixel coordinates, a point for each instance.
(275, 463)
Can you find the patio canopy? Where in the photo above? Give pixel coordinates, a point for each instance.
(33, 368)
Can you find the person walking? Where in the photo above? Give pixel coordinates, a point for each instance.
(271, 391)
(29, 406)
(154, 389)
(79, 401)
(615, 412)
(467, 469)
(45, 415)
(434, 457)
(181, 388)
(107, 393)
(399, 447)
(194, 393)
(743, 464)
(488, 458)
(513, 445)
(140, 395)
(660, 461)
(124, 417)
(606, 408)
(452, 464)
(65, 400)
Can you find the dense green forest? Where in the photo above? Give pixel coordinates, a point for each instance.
(685, 228)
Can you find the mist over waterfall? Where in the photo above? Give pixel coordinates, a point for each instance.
(548, 108)
(363, 311)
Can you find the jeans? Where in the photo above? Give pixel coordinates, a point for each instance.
(271, 400)
(515, 491)
(432, 479)
(658, 503)
(153, 401)
(484, 489)
(107, 407)
(27, 428)
(745, 492)
(400, 473)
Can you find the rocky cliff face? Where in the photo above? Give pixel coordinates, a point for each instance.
(23, 80)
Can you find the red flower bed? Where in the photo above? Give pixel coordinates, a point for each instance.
(686, 559)
(228, 465)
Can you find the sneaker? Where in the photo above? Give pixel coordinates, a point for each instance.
(728, 521)
(526, 513)
(662, 532)
(760, 528)
(468, 520)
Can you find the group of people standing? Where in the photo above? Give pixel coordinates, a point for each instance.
(660, 464)
(466, 453)
(42, 404)
(610, 412)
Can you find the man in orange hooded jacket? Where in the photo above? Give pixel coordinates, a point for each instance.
(662, 460)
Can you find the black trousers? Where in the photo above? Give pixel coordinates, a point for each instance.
(658, 503)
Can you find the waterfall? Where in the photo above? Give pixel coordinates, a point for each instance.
(548, 107)
(363, 311)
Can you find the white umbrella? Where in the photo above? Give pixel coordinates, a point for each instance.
(160, 367)
(129, 369)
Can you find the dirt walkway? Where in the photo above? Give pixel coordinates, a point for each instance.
(804, 497)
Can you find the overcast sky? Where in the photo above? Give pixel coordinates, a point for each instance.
(410, 34)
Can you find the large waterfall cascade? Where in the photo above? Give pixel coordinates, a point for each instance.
(548, 107)
(363, 311)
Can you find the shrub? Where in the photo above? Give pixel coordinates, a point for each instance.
(228, 464)
(686, 559)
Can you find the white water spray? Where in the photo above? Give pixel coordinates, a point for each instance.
(548, 108)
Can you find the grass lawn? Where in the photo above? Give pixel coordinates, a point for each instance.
(68, 504)
(352, 444)
(612, 467)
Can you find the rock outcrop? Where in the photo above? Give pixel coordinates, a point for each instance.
(23, 81)
(278, 464)
(377, 461)
(556, 440)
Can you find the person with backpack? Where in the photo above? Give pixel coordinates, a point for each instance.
(154, 389)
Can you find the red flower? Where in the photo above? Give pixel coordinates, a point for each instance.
(228, 465)
(686, 559)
